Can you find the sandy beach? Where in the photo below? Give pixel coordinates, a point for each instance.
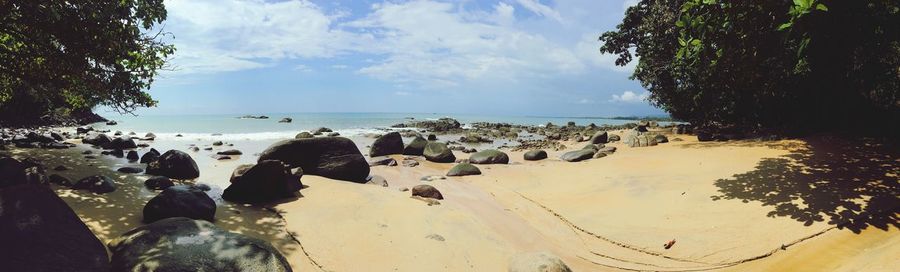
(736, 206)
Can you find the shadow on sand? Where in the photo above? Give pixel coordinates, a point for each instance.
(850, 184)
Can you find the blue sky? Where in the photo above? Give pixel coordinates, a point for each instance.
(506, 57)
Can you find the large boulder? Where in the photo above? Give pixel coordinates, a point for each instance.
(537, 262)
(150, 156)
(463, 169)
(99, 139)
(490, 156)
(39, 232)
(96, 184)
(180, 201)
(427, 191)
(390, 143)
(266, 181)
(415, 147)
(535, 155)
(158, 183)
(174, 164)
(438, 152)
(330, 157)
(600, 137)
(183, 244)
(578, 155)
(121, 143)
(12, 172)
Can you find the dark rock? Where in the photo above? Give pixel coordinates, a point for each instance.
(132, 156)
(130, 170)
(183, 244)
(614, 138)
(390, 143)
(432, 137)
(285, 120)
(111, 123)
(84, 129)
(174, 164)
(96, 184)
(180, 201)
(230, 152)
(60, 180)
(218, 143)
(659, 138)
(427, 191)
(41, 233)
(321, 130)
(463, 169)
(331, 157)
(12, 172)
(150, 156)
(415, 147)
(158, 183)
(490, 156)
(438, 152)
(150, 136)
(208, 148)
(60, 168)
(121, 143)
(99, 139)
(599, 155)
(36, 175)
(600, 138)
(303, 135)
(266, 181)
(57, 137)
(535, 155)
(577, 155)
(333, 134)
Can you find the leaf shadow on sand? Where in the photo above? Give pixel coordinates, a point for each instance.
(852, 184)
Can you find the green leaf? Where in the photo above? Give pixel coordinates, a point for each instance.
(821, 7)
(785, 26)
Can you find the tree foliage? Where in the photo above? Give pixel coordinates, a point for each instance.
(796, 65)
(58, 55)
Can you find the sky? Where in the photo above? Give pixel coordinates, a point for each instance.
(500, 57)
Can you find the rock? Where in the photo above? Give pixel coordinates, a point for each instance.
(285, 120)
(432, 137)
(321, 130)
(377, 180)
(217, 143)
(179, 244)
(115, 152)
(180, 201)
(132, 156)
(535, 155)
(57, 137)
(636, 138)
(303, 135)
(330, 157)
(41, 233)
(377, 161)
(84, 129)
(333, 134)
(659, 138)
(490, 156)
(174, 164)
(158, 183)
(222, 158)
(432, 178)
(60, 168)
(87, 152)
(130, 170)
(120, 143)
(600, 138)
(436, 237)
(438, 152)
(179, 135)
(390, 143)
(111, 123)
(426, 191)
(208, 148)
(96, 184)
(599, 155)
(60, 180)
(230, 152)
(614, 138)
(266, 181)
(117, 133)
(577, 155)
(415, 147)
(150, 136)
(607, 149)
(537, 262)
(410, 163)
(36, 175)
(593, 147)
(463, 169)
(150, 156)
(97, 139)
(12, 172)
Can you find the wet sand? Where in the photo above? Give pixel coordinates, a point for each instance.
(730, 206)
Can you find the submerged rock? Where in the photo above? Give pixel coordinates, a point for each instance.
(176, 244)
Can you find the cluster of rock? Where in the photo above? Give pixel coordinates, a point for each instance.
(34, 138)
(596, 148)
(253, 117)
(442, 125)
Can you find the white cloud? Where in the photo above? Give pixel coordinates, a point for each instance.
(630, 97)
(302, 68)
(585, 101)
(339, 66)
(589, 48)
(540, 9)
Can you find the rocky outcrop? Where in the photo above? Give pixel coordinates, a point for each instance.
(331, 157)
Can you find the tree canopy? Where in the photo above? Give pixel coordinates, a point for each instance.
(62, 56)
(801, 65)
